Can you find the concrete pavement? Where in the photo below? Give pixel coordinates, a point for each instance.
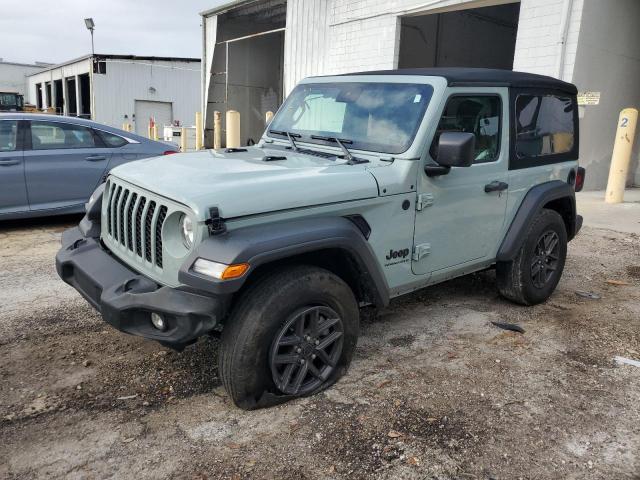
(623, 217)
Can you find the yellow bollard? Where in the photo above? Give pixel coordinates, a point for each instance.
(154, 132)
(183, 139)
(268, 117)
(199, 130)
(233, 129)
(217, 129)
(621, 157)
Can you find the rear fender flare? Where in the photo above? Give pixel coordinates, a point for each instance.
(533, 202)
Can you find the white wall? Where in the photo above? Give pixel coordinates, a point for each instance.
(13, 77)
(352, 35)
(126, 81)
(608, 61)
(539, 45)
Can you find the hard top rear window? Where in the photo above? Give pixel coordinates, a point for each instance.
(544, 125)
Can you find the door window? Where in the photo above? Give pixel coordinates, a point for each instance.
(544, 125)
(56, 135)
(8, 135)
(477, 114)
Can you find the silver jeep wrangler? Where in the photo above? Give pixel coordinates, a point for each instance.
(364, 187)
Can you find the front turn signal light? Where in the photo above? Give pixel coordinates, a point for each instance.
(220, 271)
(235, 271)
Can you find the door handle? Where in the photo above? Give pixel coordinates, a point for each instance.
(95, 158)
(9, 161)
(495, 186)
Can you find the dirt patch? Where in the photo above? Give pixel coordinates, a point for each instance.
(634, 271)
(435, 390)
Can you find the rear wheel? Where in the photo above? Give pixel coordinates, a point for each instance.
(291, 334)
(534, 274)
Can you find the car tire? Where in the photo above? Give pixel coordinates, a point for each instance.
(532, 276)
(302, 315)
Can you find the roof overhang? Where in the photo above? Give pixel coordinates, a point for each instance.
(115, 57)
(225, 6)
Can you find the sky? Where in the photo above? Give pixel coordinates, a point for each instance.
(54, 31)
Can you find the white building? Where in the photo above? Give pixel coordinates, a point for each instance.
(254, 52)
(13, 76)
(121, 89)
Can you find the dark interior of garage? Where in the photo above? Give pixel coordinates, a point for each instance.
(475, 37)
(248, 66)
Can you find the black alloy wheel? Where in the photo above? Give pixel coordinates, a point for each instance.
(306, 350)
(545, 259)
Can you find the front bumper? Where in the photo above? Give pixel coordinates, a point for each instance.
(126, 299)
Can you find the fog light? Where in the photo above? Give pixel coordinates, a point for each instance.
(158, 321)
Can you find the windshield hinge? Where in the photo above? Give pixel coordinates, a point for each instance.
(424, 200)
(215, 223)
(420, 251)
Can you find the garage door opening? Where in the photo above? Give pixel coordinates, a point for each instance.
(247, 67)
(160, 113)
(476, 37)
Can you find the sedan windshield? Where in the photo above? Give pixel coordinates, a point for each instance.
(379, 117)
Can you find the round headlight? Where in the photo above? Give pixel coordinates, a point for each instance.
(186, 229)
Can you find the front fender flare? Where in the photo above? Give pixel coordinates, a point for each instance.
(261, 244)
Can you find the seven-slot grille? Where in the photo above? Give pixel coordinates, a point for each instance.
(135, 222)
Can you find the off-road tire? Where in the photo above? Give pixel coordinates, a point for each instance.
(514, 278)
(259, 316)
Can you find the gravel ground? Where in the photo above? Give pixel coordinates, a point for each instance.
(435, 390)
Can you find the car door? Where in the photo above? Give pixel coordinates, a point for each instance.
(461, 214)
(13, 191)
(64, 163)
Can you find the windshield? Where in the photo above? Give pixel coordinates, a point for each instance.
(379, 117)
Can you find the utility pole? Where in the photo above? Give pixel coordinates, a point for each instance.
(90, 24)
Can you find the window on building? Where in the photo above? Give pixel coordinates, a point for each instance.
(99, 66)
(8, 135)
(477, 114)
(111, 140)
(55, 135)
(544, 125)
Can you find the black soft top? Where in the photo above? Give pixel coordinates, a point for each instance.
(484, 77)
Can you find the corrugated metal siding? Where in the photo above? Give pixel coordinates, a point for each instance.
(127, 81)
(306, 41)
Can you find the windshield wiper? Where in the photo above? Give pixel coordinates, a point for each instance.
(290, 136)
(341, 141)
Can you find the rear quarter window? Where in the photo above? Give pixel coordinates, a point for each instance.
(544, 127)
(111, 140)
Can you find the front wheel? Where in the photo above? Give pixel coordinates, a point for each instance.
(534, 274)
(291, 334)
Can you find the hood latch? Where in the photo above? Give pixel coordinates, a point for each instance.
(215, 223)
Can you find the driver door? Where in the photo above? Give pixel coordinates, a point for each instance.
(460, 217)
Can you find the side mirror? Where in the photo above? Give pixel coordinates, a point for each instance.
(455, 149)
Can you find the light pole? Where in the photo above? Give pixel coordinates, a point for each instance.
(90, 24)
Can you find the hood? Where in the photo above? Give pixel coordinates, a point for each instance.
(243, 183)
